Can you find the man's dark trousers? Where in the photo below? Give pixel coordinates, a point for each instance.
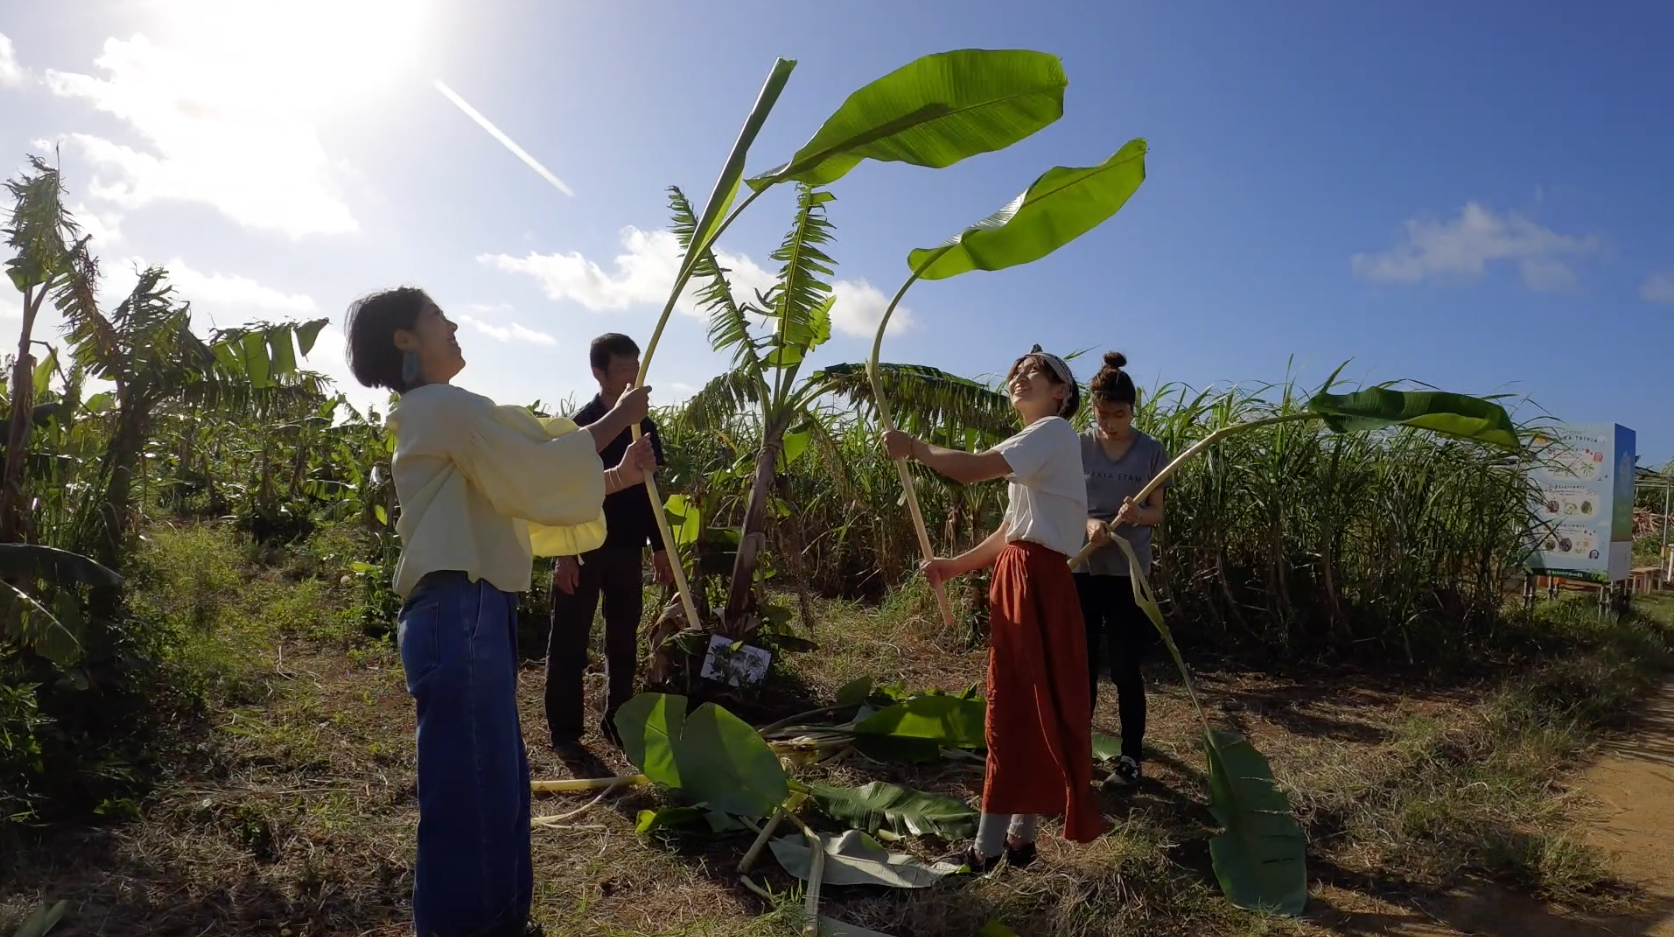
(615, 574)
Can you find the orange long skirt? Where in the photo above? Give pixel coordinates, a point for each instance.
(1039, 730)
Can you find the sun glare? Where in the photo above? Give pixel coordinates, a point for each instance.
(308, 54)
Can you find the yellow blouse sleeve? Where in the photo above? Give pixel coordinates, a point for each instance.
(547, 473)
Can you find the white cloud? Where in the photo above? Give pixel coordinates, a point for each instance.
(224, 299)
(644, 272)
(11, 73)
(647, 266)
(1465, 247)
(860, 307)
(216, 132)
(1658, 288)
(509, 333)
(103, 226)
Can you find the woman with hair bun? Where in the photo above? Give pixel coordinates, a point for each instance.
(1118, 461)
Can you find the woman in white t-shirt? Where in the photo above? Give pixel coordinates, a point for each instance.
(1039, 740)
(482, 490)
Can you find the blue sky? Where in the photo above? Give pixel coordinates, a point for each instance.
(1474, 195)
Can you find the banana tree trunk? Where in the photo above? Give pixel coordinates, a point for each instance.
(752, 538)
(17, 437)
(121, 458)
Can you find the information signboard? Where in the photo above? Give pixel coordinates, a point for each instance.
(1585, 514)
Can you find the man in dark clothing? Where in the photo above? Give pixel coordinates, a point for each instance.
(614, 570)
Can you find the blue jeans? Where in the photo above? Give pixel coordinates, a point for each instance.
(459, 649)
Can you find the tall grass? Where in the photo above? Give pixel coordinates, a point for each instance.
(1291, 538)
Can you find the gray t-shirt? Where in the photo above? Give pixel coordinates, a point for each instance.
(1108, 482)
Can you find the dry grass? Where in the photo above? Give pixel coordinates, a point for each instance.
(291, 812)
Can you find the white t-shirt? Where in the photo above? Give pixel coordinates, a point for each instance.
(1048, 489)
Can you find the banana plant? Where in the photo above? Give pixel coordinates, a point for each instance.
(1259, 858)
(1058, 207)
(49, 260)
(934, 112)
(146, 348)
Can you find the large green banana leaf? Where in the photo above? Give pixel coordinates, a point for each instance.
(712, 755)
(1060, 206)
(903, 810)
(933, 111)
(1259, 857)
(949, 721)
(726, 185)
(1437, 411)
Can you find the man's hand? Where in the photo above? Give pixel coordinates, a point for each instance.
(663, 569)
(566, 575)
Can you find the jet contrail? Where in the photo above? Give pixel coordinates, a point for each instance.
(506, 141)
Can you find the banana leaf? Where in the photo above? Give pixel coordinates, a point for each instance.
(1060, 206)
(726, 185)
(33, 561)
(857, 859)
(1259, 858)
(831, 927)
(934, 112)
(1437, 411)
(1106, 748)
(898, 751)
(949, 721)
(43, 919)
(903, 810)
(669, 818)
(713, 756)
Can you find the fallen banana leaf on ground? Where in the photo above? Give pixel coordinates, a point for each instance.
(44, 918)
(949, 721)
(901, 810)
(857, 859)
(711, 755)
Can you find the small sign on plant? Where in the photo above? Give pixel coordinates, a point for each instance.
(735, 662)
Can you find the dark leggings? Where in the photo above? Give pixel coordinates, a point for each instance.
(1114, 620)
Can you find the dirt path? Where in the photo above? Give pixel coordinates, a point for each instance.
(1630, 794)
(1633, 783)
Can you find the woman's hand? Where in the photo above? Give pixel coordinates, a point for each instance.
(1098, 533)
(1129, 513)
(634, 404)
(637, 461)
(940, 570)
(899, 445)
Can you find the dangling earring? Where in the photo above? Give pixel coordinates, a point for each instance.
(409, 368)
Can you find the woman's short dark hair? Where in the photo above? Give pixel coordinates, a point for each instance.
(1112, 384)
(372, 323)
(1072, 402)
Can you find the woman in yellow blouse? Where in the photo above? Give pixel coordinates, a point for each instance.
(482, 489)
